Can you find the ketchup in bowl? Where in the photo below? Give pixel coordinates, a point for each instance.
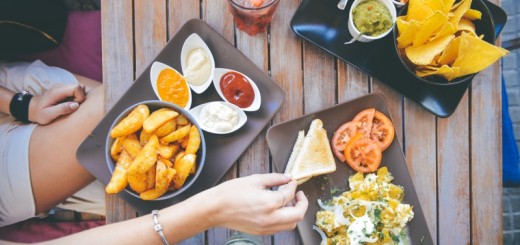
(237, 89)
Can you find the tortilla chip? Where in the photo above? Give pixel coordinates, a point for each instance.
(447, 5)
(451, 52)
(417, 10)
(429, 26)
(446, 29)
(406, 38)
(473, 14)
(436, 5)
(466, 25)
(444, 71)
(424, 54)
(475, 54)
(402, 24)
(460, 11)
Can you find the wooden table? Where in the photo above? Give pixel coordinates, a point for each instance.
(455, 162)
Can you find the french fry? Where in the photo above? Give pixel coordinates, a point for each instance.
(150, 177)
(118, 181)
(166, 162)
(166, 128)
(131, 123)
(184, 142)
(183, 168)
(116, 148)
(176, 135)
(182, 120)
(193, 140)
(158, 118)
(138, 182)
(164, 177)
(146, 158)
(144, 137)
(132, 146)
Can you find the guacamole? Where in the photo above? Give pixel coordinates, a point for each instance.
(372, 18)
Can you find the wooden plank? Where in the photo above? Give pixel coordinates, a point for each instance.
(222, 22)
(352, 82)
(150, 32)
(486, 157)
(286, 62)
(118, 75)
(319, 79)
(180, 11)
(454, 179)
(420, 147)
(255, 159)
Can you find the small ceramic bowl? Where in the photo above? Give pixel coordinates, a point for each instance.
(155, 70)
(367, 38)
(198, 112)
(217, 76)
(154, 105)
(398, 3)
(192, 43)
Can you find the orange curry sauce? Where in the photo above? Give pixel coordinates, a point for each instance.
(172, 87)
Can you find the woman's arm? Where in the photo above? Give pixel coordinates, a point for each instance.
(246, 204)
(5, 99)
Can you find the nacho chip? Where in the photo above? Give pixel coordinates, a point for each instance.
(451, 52)
(424, 54)
(447, 5)
(444, 71)
(428, 27)
(436, 5)
(475, 54)
(402, 24)
(467, 26)
(472, 14)
(406, 38)
(417, 10)
(460, 11)
(446, 29)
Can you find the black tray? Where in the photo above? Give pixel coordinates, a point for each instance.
(222, 150)
(323, 24)
(281, 138)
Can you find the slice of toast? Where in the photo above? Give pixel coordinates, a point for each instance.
(311, 155)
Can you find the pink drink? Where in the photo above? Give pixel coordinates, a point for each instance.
(253, 16)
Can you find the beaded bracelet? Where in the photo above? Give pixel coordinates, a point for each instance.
(157, 227)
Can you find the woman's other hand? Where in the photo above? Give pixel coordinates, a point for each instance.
(60, 100)
(247, 204)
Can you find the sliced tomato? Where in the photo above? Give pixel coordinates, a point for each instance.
(382, 130)
(341, 137)
(364, 119)
(362, 154)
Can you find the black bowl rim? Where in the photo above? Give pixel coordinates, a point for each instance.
(485, 12)
(158, 103)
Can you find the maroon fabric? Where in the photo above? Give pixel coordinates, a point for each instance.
(80, 50)
(39, 230)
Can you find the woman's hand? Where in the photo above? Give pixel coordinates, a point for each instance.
(59, 100)
(247, 204)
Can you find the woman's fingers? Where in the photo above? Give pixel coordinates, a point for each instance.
(272, 180)
(288, 191)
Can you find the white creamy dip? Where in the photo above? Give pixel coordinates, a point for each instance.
(198, 67)
(218, 117)
(360, 231)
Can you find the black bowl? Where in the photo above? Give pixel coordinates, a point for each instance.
(154, 105)
(485, 26)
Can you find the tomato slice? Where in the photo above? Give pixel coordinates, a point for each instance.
(341, 137)
(382, 130)
(362, 154)
(364, 119)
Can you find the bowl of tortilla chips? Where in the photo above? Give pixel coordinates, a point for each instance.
(446, 42)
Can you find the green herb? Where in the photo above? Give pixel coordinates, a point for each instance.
(377, 215)
(422, 239)
(381, 236)
(334, 190)
(394, 237)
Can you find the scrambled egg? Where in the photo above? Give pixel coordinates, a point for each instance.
(371, 212)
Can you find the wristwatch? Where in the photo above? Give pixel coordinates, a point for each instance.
(19, 106)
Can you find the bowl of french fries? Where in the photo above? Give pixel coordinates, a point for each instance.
(155, 150)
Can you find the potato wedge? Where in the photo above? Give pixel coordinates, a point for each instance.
(132, 146)
(158, 118)
(150, 177)
(118, 181)
(193, 140)
(144, 137)
(131, 123)
(182, 120)
(116, 148)
(183, 168)
(166, 128)
(177, 135)
(164, 176)
(165, 151)
(146, 158)
(138, 182)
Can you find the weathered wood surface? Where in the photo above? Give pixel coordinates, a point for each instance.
(455, 162)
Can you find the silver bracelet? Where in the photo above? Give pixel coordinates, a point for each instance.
(157, 227)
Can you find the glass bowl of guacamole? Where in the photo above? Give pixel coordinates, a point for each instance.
(374, 19)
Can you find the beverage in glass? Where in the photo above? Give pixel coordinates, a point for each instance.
(253, 16)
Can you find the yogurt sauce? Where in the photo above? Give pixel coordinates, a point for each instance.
(360, 231)
(218, 117)
(198, 67)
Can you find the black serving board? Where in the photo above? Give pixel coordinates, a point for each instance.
(221, 150)
(320, 22)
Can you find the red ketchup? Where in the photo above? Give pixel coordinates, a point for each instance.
(237, 89)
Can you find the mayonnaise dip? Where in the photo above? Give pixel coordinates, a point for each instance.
(218, 117)
(198, 67)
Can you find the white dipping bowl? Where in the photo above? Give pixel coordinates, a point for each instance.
(156, 69)
(219, 72)
(196, 113)
(193, 42)
(366, 38)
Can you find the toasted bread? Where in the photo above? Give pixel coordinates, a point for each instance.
(311, 155)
